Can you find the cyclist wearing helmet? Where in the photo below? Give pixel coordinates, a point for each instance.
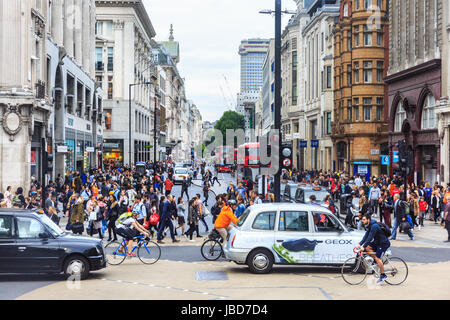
(129, 229)
(375, 243)
(224, 219)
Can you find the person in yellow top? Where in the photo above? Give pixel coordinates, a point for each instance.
(224, 219)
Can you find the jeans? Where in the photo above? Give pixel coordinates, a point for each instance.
(202, 219)
(394, 230)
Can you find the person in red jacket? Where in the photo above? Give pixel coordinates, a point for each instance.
(168, 184)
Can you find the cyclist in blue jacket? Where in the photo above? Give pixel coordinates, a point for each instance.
(375, 243)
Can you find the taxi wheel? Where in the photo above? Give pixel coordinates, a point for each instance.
(260, 261)
(76, 266)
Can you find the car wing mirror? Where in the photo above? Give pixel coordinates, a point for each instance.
(43, 235)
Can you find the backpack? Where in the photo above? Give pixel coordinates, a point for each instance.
(15, 200)
(100, 216)
(407, 208)
(124, 216)
(385, 228)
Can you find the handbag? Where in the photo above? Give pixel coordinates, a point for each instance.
(405, 226)
(68, 226)
(78, 227)
(154, 219)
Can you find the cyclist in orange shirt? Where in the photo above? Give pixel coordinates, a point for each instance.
(224, 219)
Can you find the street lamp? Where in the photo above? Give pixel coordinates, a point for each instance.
(278, 101)
(129, 117)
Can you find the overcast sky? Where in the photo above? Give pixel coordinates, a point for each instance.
(210, 32)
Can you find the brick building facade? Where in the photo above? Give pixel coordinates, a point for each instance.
(359, 130)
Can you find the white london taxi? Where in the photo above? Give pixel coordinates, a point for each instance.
(290, 234)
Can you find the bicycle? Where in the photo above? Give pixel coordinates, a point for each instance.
(116, 251)
(212, 248)
(355, 270)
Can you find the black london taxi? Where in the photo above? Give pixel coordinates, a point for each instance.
(32, 243)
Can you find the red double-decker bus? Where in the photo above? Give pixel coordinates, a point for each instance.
(224, 158)
(248, 161)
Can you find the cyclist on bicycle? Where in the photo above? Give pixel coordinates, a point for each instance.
(129, 229)
(375, 243)
(224, 219)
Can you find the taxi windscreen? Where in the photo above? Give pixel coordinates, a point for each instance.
(320, 195)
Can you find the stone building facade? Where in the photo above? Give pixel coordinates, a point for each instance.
(318, 93)
(123, 56)
(50, 103)
(414, 80)
(359, 130)
(443, 110)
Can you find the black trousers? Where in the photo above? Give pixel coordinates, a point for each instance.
(191, 230)
(215, 179)
(193, 227)
(112, 228)
(183, 192)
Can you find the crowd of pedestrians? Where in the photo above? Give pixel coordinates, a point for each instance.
(101, 196)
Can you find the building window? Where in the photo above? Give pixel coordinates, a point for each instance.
(379, 112)
(110, 59)
(367, 71)
(367, 4)
(380, 71)
(349, 74)
(294, 77)
(356, 4)
(356, 72)
(356, 36)
(400, 117)
(429, 120)
(367, 109)
(356, 108)
(328, 123)
(380, 4)
(349, 40)
(350, 113)
(346, 9)
(367, 36)
(99, 59)
(110, 87)
(328, 77)
(379, 39)
(108, 119)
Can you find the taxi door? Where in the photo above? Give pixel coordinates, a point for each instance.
(334, 244)
(294, 243)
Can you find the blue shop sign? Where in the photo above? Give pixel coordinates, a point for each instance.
(314, 143)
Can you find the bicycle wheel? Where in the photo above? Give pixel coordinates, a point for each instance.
(396, 270)
(211, 250)
(354, 271)
(149, 253)
(113, 255)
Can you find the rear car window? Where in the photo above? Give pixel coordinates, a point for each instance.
(243, 217)
(6, 227)
(296, 221)
(264, 221)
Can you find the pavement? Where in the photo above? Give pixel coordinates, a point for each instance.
(182, 273)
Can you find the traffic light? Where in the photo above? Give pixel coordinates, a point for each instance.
(402, 156)
(286, 157)
(410, 162)
(50, 163)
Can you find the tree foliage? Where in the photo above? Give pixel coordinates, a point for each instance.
(230, 120)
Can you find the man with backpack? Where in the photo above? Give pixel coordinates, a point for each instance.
(375, 242)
